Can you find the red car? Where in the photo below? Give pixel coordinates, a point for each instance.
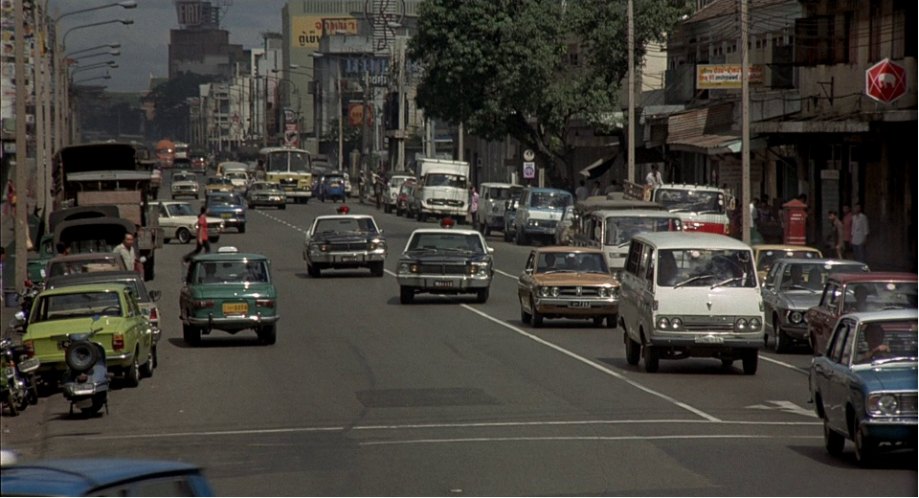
(857, 292)
(404, 197)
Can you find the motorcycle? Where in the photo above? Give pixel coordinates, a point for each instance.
(17, 384)
(86, 381)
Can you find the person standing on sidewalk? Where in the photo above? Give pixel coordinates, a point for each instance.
(202, 242)
(473, 204)
(834, 240)
(860, 233)
(847, 230)
(127, 253)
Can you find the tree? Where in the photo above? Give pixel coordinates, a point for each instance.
(529, 68)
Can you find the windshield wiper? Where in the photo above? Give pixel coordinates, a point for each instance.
(727, 281)
(692, 279)
(547, 272)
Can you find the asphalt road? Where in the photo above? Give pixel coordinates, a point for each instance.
(364, 396)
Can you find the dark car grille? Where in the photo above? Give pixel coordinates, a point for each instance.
(446, 202)
(908, 404)
(348, 246)
(184, 187)
(451, 269)
(579, 291)
(713, 327)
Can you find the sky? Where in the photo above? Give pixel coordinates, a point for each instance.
(145, 44)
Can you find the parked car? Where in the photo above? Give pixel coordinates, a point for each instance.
(857, 292)
(179, 221)
(226, 166)
(706, 301)
(230, 291)
(793, 286)
(331, 186)
(391, 191)
(568, 282)
(126, 333)
(146, 299)
(412, 202)
(103, 477)
(492, 198)
(185, 184)
(218, 184)
(445, 261)
(538, 213)
(229, 207)
(863, 384)
(344, 241)
(84, 262)
(510, 219)
(404, 198)
(238, 178)
(261, 193)
(767, 254)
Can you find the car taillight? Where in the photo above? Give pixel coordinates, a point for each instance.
(82, 377)
(203, 304)
(118, 342)
(153, 315)
(29, 347)
(264, 303)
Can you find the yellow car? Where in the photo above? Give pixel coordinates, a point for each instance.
(767, 254)
(218, 184)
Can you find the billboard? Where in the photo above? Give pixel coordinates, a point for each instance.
(725, 76)
(305, 31)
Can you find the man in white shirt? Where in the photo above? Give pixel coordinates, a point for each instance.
(654, 178)
(860, 233)
(581, 192)
(126, 251)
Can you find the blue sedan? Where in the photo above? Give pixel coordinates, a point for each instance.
(864, 385)
(104, 477)
(228, 207)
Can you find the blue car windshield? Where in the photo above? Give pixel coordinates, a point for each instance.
(886, 340)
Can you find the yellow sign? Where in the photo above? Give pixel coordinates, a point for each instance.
(305, 31)
(725, 76)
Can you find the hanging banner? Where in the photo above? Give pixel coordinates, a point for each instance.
(725, 76)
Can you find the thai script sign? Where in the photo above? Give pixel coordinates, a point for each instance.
(307, 30)
(725, 76)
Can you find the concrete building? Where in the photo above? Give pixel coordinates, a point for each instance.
(199, 45)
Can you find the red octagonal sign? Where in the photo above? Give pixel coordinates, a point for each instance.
(885, 81)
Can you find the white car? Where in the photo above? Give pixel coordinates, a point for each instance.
(239, 179)
(185, 184)
(179, 221)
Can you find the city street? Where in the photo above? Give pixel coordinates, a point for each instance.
(364, 396)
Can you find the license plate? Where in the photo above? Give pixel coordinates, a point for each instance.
(443, 283)
(346, 259)
(235, 308)
(579, 304)
(226, 216)
(709, 339)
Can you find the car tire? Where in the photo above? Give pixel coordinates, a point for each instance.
(865, 447)
(191, 335)
(537, 316)
(406, 295)
(780, 340)
(98, 402)
(183, 235)
(832, 440)
(481, 295)
(242, 228)
(525, 317)
(80, 356)
(651, 358)
(750, 362)
(146, 370)
(313, 271)
(268, 334)
(632, 349)
(282, 207)
(612, 321)
(376, 269)
(598, 321)
(132, 373)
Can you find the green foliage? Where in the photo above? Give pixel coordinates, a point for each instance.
(508, 66)
(352, 134)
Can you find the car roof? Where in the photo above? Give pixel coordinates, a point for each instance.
(86, 256)
(593, 250)
(94, 277)
(690, 240)
(783, 247)
(339, 216)
(224, 256)
(76, 289)
(689, 186)
(632, 213)
(72, 477)
(446, 230)
(881, 316)
(548, 189)
(875, 276)
(819, 261)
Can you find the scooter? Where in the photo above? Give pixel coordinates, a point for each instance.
(17, 384)
(86, 382)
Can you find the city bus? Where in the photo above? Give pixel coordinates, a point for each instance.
(289, 167)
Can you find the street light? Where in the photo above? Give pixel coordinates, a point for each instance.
(127, 4)
(113, 53)
(113, 45)
(126, 22)
(105, 76)
(111, 64)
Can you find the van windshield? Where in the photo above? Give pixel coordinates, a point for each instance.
(503, 193)
(705, 267)
(552, 200)
(445, 180)
(620, 230)
(696, 201)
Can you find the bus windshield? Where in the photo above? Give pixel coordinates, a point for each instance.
(287, 161)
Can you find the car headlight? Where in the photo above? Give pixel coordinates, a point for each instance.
(376, 244)
(663, 323)
(603, 292)
(755, 323)
(741, 324)
(554, 291)
(324, 247)
(795, 317)
(676, 323)
(883, 404)
(477, 268)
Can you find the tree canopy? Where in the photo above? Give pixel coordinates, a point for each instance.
(529, 68)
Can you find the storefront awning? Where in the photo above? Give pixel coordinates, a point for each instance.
(714, 144)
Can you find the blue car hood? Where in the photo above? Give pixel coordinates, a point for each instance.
(892, 377)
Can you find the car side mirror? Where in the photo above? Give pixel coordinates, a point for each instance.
(491, 250)
(381, 231)
(155, 295)
(528, 271)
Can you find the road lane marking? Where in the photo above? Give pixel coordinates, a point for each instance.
(785, 406)
(786, 365)
(593, 364)
(508, 275)
(577, 438)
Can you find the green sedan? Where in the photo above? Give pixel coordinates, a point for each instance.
(126, 332)
(228, 291)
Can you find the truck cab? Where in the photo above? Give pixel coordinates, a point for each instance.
(444, 188)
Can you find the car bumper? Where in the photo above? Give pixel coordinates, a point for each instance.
(298, 194)
(576, 307)
(232, 323)
(112, 360)
(179, 193)
(901, 429)
(345, 258)
(445, 284)
(539, 230)
(797, 332)
(443, 210)
(707, 340)
(268, 202)
(231, 222)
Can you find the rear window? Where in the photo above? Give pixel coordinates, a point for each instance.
(77, 305)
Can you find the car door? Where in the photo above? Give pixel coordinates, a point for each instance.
(770, 293)
(824, 317)
(832, 374)
(630, 288)
(525, 284)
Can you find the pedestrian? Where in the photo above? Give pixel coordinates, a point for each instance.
(378, 190)
(202, 240)
(473, 204)
(860, 233)
(127, 253)
(596, 190)
(581, 192)
(834, 240)
(10, 197)
(654, 178)
(847, 230)
(754, 211)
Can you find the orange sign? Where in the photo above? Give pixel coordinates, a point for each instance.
(356, 114)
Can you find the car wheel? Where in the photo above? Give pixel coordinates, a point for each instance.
(146, 370)
(481, 295)
(780, 342)
(598, 321)
(313, 271)
(242, 228)
(537, 316)
(612, 321)
(865, 447)
(282, 207)
(183, 235)
(80, 356)
(525, 317)
(652, 358)
(833, 440)
(521, 238)
(406, 295)
(750, 362)
(132, 373)
(268, 334)
(632, 349)
(376, 269)
(191, 335)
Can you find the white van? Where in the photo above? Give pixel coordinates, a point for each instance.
(690, 294)
(612, 230)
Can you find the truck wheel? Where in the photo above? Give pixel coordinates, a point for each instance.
(750, 362)
(183, 235)
(268, 334)
(652, 359)
(612, 321)
(481, 295)
(376, 269)
(313, 270)
(242, 228)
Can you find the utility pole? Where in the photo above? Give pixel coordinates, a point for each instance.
(630, 137)
(745, 122)
(400, 50)
(21, 228)
(365, 126)
(42, 104)
(459, 142)
(341, 124)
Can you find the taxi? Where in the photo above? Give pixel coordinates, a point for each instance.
(765, 255)
(228, 291)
